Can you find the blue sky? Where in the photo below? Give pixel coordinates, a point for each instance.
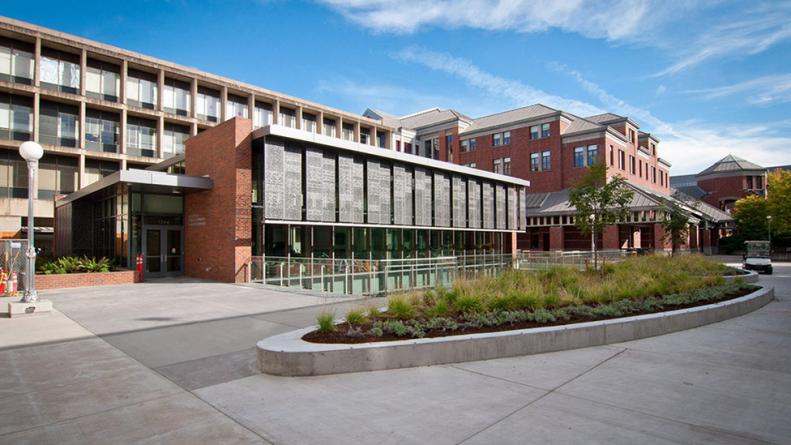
(708, 77)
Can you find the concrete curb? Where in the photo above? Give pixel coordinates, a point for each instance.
(288, 355)
(749, 276)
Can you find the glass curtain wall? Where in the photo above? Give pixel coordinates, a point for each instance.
(208, 106)
(59, 124)
(141, 137)
(176, 97)
(141, 89)
(102, 129)
(60, 71)
(16, 117)
(173, 139)
(102, 80)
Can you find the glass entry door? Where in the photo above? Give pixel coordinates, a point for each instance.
(163, 251)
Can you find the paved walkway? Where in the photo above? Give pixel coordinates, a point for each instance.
(175, 364)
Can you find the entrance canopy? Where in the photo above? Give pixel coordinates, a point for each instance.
(145, 181)
(111, 217)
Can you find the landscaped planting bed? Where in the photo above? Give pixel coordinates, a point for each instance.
(520, 300)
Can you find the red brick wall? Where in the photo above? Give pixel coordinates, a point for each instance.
(731, 187)
(218, 223)
(66, 280)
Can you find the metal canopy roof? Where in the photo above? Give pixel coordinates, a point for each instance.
(151, 179)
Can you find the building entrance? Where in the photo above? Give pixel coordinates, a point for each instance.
(163, 252)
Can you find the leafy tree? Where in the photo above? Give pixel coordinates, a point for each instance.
(779, 202)
(599, 202)
(676, 227)
(750, 215)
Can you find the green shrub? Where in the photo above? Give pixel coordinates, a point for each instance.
(400, 308)
(469, 304)
(73, 264)
(355, 317)
(397, 328)
(326, 321)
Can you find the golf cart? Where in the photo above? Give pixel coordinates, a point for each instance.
(757, 257)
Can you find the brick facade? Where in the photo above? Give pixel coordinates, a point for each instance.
(218, 223)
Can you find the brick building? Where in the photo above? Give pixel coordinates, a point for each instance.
(724, 182)
(552, 148)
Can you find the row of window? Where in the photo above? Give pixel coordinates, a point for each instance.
(61, 71)
(59, 124)
(56, 174)
(636, 168)
(504, 138)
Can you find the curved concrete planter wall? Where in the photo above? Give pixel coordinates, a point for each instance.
(749, 276)
(288, 355)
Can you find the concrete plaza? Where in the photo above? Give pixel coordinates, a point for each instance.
(174, 363)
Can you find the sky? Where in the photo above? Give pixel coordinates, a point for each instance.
(708, 78)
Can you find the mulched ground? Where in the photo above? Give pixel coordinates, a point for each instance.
(339, 336)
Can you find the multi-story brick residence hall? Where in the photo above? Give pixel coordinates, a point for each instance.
(724, 182)
(551, 149)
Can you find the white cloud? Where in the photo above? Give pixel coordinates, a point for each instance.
(398, 100)
(752, 32)
(516, 93)
(612, 20)
(766, 90)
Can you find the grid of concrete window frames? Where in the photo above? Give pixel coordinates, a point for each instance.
(323, 216)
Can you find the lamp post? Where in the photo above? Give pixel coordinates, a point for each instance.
(592, 218)
(769, 229)
(31, 152)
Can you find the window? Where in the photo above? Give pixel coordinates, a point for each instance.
(749, 182)
(465, 145)
(496, 139)
(661, 178)
(16, 117)
(534, 162)
(365, 136)
(506, 138)
(16, 61)
(498, 166)
(60, 71)
(309, 122)
(612, 156)
(329, 127)
(59, 124)
(546, 161)
(102, 81)
(653, 149)
(141, 137)
(653, 175)
(631, 135)
(96, 170)
(381, 141)
(545, 130)
(287, 117)
(632, 168)
(507, 166)
(579, 156)
(207, 107)
(141, 89)
(534, 132)
(621, 160)
(101, 131)
(407, 147)
(57, 174)
(435, 148)
(348, 132)
(471, 165)
(593, 154)
(173, 139)
(176, 97)
(759, 182)
(262, 115)
(236, 106)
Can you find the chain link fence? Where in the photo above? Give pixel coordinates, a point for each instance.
(13, 260)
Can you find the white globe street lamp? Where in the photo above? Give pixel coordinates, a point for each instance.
(31, 152)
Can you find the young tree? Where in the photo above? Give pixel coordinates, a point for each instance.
(599, 202)
(750, 215)
(676, 227)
